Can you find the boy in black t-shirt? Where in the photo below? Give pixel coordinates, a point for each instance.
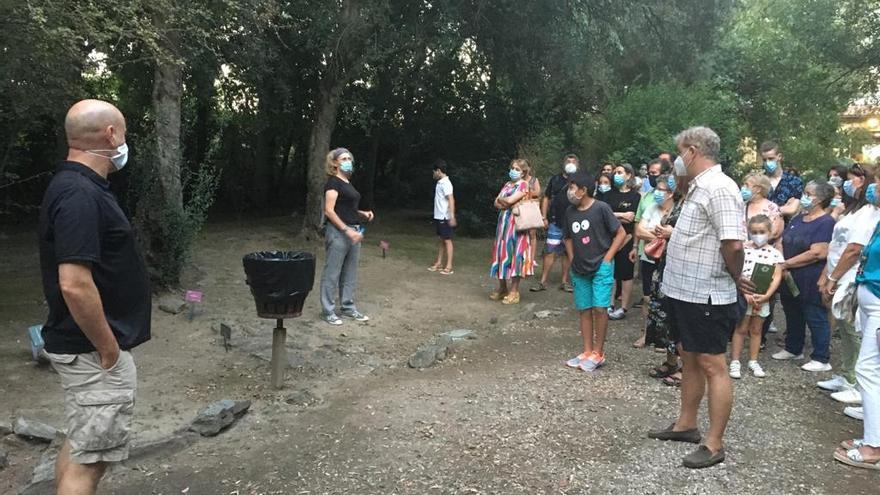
(593, 235)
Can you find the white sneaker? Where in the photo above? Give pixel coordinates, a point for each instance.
(816, 366)
(772, 328)
(835, 384)
(854, 412)
(735, 370)
(784, 355)
(849, 396)
(757, 370)
(617, 314)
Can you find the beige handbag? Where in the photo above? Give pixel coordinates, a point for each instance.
(527, 215)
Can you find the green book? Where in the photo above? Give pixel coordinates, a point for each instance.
(792, 285)
(762, 276)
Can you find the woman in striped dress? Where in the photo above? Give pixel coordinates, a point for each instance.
(511, 254)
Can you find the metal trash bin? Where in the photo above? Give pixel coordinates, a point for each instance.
(280, 281)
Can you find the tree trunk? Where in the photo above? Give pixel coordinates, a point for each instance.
(167, 92)
(319, 146)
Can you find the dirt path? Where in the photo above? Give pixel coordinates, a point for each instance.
(499, 416)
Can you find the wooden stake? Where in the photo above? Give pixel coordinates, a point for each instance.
(279, 354)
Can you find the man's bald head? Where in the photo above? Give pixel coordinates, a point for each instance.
(94, 124)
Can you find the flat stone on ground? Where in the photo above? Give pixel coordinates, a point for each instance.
(172, 304)
(217, 416)
(34, 430)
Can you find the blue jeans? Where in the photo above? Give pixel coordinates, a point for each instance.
(799, 314)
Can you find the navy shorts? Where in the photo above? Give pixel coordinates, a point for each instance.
(444, 230)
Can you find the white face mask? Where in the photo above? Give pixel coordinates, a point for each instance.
(760, 240)
(119, 159)
(570, 168)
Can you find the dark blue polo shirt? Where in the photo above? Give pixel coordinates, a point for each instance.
(81, 222)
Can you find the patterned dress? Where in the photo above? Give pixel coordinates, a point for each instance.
(659, 332)
(511, 253)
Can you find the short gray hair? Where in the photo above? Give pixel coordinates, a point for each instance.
(702, 138)
(823, 192)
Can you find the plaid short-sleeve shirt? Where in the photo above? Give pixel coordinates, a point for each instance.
(712, 212)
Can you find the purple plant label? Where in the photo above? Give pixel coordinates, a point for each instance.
(193, 296)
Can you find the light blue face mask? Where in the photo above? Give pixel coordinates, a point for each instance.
(835, 202)
(118, 160)
(806, 202)
(347, 166)
(871, 194)
(514, 174)
(746, 193)
(619, 180)
(670, 181)
(604, 188)
(770, 166)
(849, 188)
(659, 196)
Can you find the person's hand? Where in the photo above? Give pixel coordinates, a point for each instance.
(663, 231)
(109, 357)
(453, 222)
(632, 256)
(546, 223)
(370, 216)
(746, 286)
(751, 300)
(354, 236)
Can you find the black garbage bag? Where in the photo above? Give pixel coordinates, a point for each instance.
(280, 281)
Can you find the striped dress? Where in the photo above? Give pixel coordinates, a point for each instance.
(511, 256)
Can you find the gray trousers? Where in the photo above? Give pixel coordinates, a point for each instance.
(339, 277)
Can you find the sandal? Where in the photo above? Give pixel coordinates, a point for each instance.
(853, 457)
(446, 271)
(434, 268)
(498, 295)
(512, 298)
(538, 288)
(672, 381)
(663, 371)
(852, 444)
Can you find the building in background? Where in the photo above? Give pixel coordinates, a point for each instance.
(864, 116)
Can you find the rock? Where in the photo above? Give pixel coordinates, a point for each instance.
(428, 355)
(34, 430)
(301, 398)
(541, 315)
(460, 334)
(5, 429)
(218, 416)
(4, 460)
(172, 304)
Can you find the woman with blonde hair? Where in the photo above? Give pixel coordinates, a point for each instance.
(343, 233)
(756, 187)
(511, 253)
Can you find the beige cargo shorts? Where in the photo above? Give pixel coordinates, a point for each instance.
(99, 404)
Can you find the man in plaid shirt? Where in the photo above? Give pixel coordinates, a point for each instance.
(703, 267)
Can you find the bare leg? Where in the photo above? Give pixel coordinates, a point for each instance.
(600, 319)
(533, 240)
(566, 266)
(449, 253)
(755, 329)
(714, 367)
(547, 264)
(587, 331)
(502, 286)
(626, 293)
(439, 262)
(514, 284)
(76, 479)
(693, 386)
(739, 338)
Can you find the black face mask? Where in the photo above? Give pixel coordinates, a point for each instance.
(652, 179)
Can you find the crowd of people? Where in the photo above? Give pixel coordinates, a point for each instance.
(713, 257)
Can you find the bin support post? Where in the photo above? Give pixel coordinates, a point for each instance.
(279, 354)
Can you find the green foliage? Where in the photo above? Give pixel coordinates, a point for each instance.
(642, 122)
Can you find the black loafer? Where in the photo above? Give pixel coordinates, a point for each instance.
(689, 436)
(703, 458)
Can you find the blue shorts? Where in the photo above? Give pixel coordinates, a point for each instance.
(554, 243)
(593, 291)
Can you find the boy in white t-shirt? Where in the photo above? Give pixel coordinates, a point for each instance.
(757, 251)
(444, 218)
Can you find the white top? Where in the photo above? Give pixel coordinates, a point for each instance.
(854, 228)
(767, 255)
(652, 217)
(441, 198)
(712, 212)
